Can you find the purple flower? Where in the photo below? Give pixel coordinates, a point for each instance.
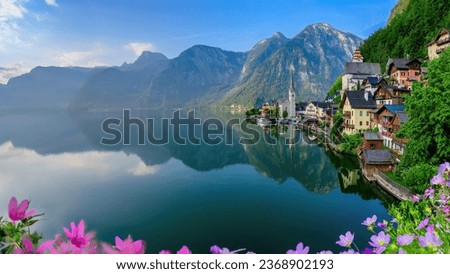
(401, 251)
(445, 167)
(380, 241)
(217, 250)
(430, 239)
(437, 180)
(350, 251)
(300, 249)
(325, 252)
(19, 212)
(346, 240)
(423, 223)
(405, 239)
(367, 250)
(370, 221)
(165, 252)
(382, 225)
(415, 198)
(429, 192)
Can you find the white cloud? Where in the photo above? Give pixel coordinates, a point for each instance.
(138, 48)
(88, 58)
(10, 12)
(12, 70)
(10, 9)
(51, 3)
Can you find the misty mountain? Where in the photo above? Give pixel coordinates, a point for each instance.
(43, 88)
(118, 87)
(318, 54)
(199, 73)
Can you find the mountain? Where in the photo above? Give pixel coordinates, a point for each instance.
(43, 87)
(200, 73)
(409, 32)
(120, 86)
(398, 9)
(318, 54)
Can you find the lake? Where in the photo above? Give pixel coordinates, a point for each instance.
(263, 197)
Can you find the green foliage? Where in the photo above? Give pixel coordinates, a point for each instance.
(285, 113)
(409, 32)
(337, 85)
(336, 130)
(337, 100)
(253, 111)
(418, 177)
(11, 233)
(429, 117)
(350, 143)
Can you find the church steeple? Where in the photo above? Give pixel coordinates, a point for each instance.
(291, 108)
(357, 56)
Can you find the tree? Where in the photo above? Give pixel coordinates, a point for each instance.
(285, 113)
(428, 109)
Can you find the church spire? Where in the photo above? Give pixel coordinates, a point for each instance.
(291, 108)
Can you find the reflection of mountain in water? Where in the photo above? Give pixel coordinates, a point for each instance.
(310, 165)
(307, 164)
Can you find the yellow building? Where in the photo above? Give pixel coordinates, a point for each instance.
(439, 44)
(356, 106)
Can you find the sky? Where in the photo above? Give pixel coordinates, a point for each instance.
(110, 32)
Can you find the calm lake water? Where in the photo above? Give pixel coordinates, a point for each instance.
(262, 197)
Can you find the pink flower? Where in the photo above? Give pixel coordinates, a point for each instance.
(184, 250)
(76, 236)
(28, 247)
(165, 252)
(127, 246)
(18, 213)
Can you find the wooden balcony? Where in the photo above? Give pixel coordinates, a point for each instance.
(349, 126)
(443, 41)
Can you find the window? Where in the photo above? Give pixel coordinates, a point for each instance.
(372, 146)
(360, 123)
(367, 123)
(403, 74)
(367, 114)
(360, 113)
(417, 73)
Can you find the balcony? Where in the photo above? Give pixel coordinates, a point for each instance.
(349, 126)
(400, 141)
(443, 41)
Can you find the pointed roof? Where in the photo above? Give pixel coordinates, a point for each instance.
(441, 32)
(357, 100)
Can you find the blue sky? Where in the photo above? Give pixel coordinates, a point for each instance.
(93, 32)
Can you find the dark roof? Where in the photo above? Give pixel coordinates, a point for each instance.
(357, 99)
(372, 136)
(402, 116)
(378, 156)
(362, 68)
(399, 63)
(441, 32)
(322, 104)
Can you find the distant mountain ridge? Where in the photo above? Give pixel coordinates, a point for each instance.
(199, 76)
(318, 54)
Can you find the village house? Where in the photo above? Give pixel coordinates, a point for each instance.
(390, 95)
(372, 140)
(357, 71)
(371, 84)
(356, 107)
(403, 72)
(439, 44)
(389, 119)
(377, 160)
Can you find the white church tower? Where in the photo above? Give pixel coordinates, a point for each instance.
(291, 107)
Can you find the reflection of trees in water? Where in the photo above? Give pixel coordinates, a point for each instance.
(311, 165)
